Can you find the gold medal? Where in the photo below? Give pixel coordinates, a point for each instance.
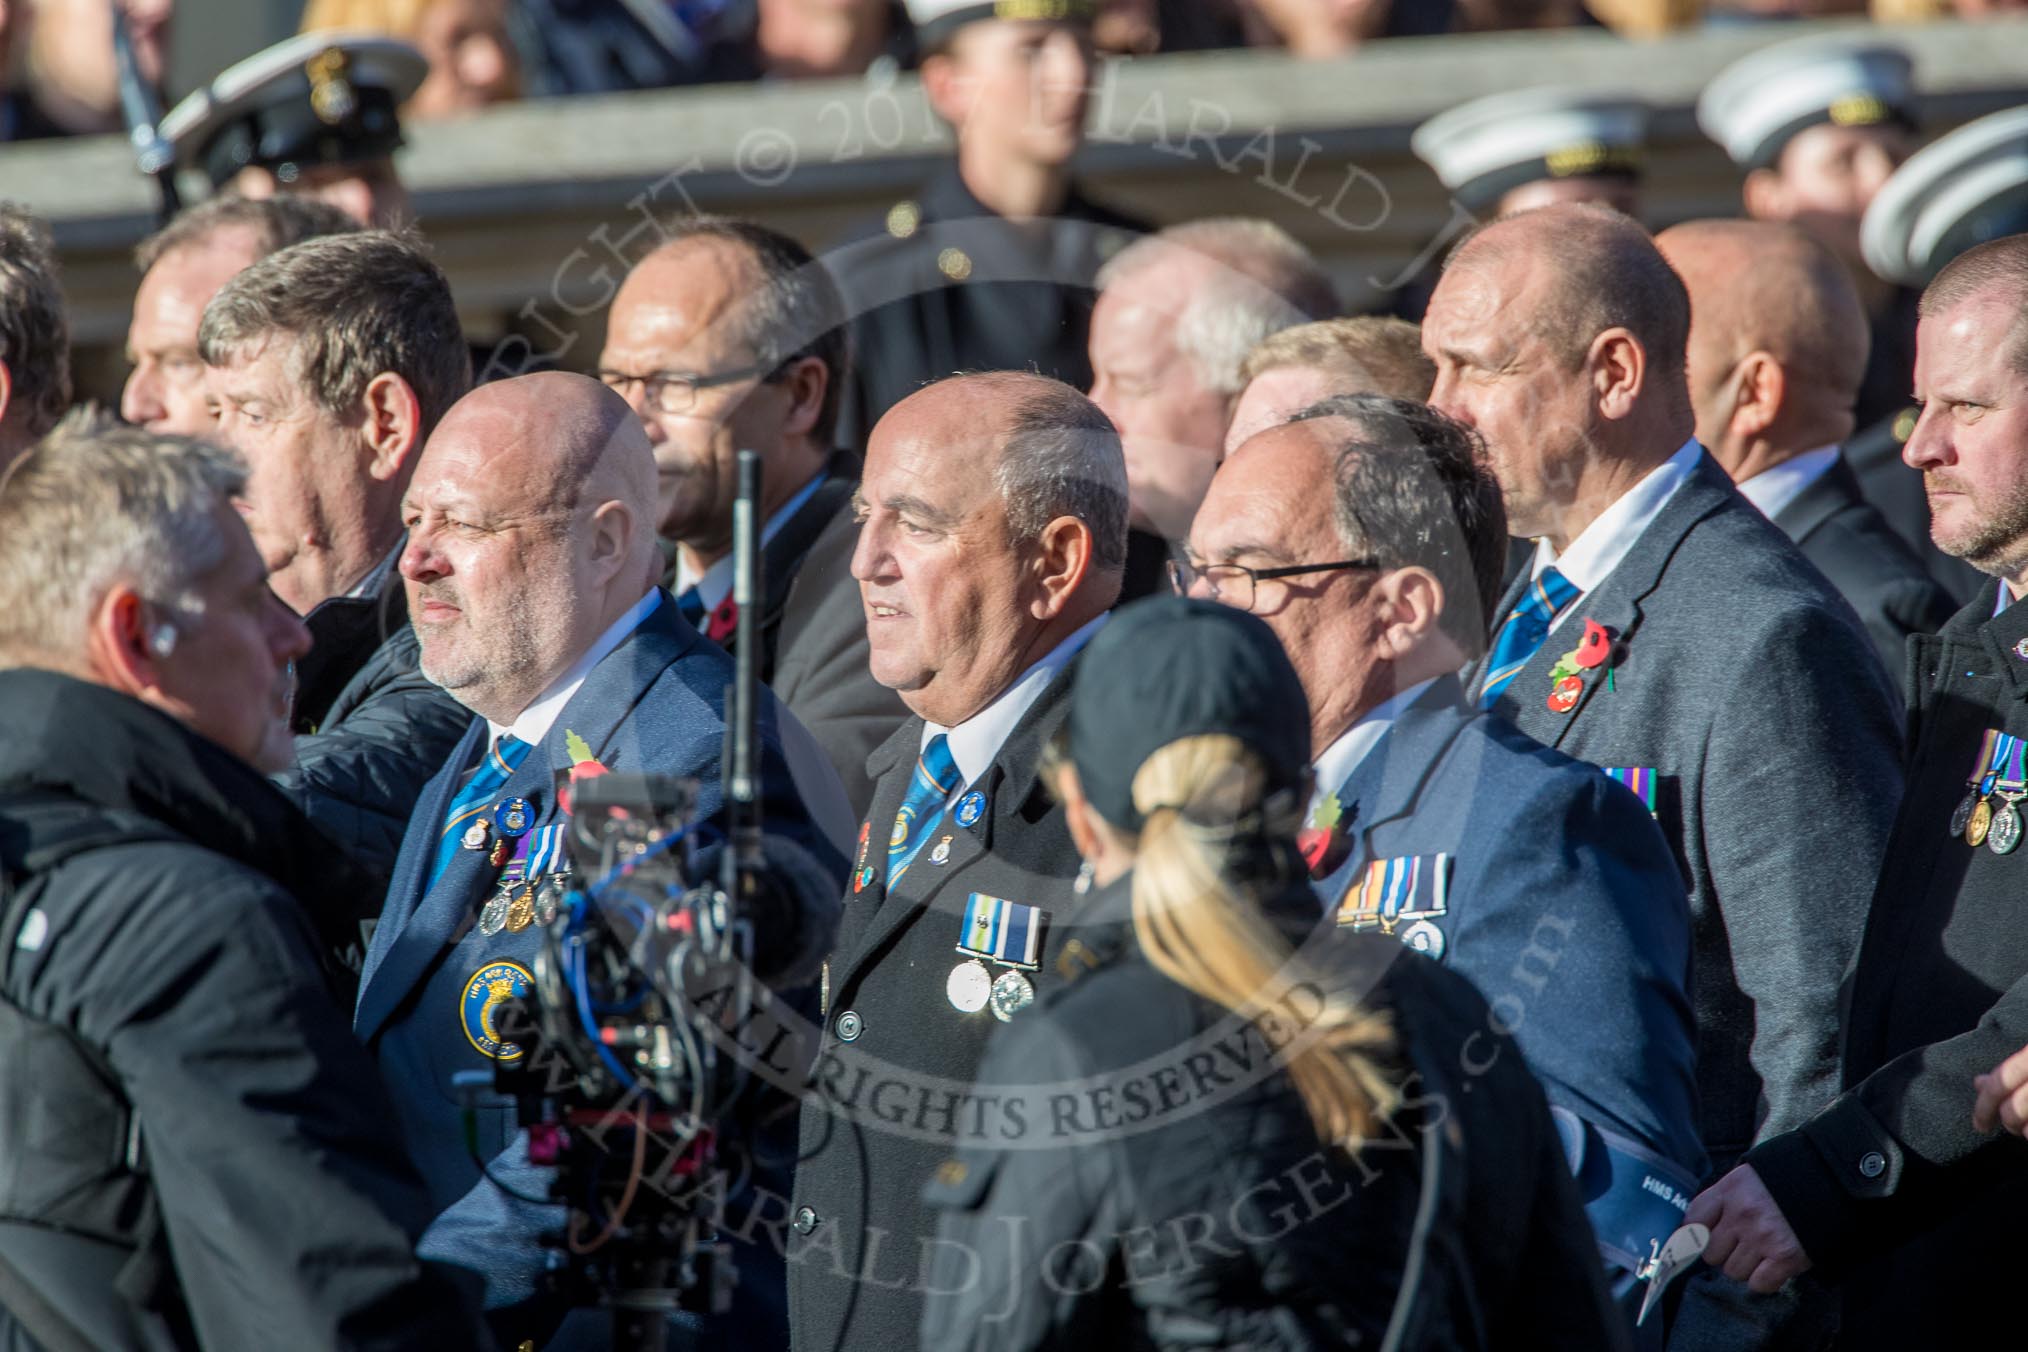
(1981, 822)
(521, 911)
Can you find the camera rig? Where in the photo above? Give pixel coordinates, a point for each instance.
(624, 1088)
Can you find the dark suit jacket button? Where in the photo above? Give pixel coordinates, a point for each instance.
(850, 1026)
(1872, 1164)
(806, 1220)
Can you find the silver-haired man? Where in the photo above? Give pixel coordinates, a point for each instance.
(1177, 314)
(162, 963)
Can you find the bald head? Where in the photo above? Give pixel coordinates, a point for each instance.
(994, 525)
(1779, 376)
(1559, 335)
(1596, 269)
(531, 531)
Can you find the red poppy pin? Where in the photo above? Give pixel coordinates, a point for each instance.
(583, 765)
(1566, 680)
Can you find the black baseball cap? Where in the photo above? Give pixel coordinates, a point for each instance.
(1172, 667)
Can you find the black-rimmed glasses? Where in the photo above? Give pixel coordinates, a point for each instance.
(1238, 586)
(675, 392)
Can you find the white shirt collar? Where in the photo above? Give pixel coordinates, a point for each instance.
(1773, 489)
(538, 718)
(715, 584)
(1599, 547)
(976, 741)
(1343, 756)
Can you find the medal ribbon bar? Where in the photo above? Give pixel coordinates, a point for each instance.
(1004, 931)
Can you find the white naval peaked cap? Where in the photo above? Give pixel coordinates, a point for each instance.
(317, 98)
(936, 20)
(1484, 148)
(1963, 189)
(1757, 103)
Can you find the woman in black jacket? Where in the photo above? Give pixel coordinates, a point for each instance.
(1226, 1127)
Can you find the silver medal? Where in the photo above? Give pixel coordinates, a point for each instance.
(493, 915)
(548, 902)
(1012, 993)
(1425, 938)
(2005, 832)
(1962, 818)
(969, 986)
(474, 837)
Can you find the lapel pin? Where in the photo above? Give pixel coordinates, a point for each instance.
(942, 853)
(971, 807)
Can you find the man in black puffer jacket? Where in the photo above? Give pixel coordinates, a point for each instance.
(328, 364)
(193, 1149)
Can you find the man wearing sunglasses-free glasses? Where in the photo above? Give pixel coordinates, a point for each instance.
(729, 336)
(1536, 876)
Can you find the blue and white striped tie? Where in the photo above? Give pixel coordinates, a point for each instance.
(1524, 631)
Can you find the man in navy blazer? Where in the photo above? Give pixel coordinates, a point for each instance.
(530, 568)
(1369, 534)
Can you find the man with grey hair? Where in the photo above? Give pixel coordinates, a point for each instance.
(1379, 589)
(328, 363)
(730, 337)
(182, 267)
(1177, 314)
(992, 538)
(164, 981)
(34, 335)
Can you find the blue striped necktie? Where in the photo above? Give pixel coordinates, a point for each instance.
(936, 775)
(1522, 635)
(477, 797)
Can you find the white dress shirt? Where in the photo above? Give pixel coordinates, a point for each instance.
(538, 718)
(976, 741)
(1599, 547)
(1773, 489)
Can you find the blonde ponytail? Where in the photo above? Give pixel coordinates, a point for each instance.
(1207, 932)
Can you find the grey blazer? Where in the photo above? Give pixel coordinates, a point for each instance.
(1751, 690)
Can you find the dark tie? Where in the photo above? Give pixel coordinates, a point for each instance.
(1522, 635)
(476, 798)
(936, 775)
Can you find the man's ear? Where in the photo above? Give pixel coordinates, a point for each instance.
(6, 381)
(1762, 387)
(1411, 608)
(612, 536)
(392, 426)
(1063, 560)
(1619, 368)
(117, 641)
(805, 383)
